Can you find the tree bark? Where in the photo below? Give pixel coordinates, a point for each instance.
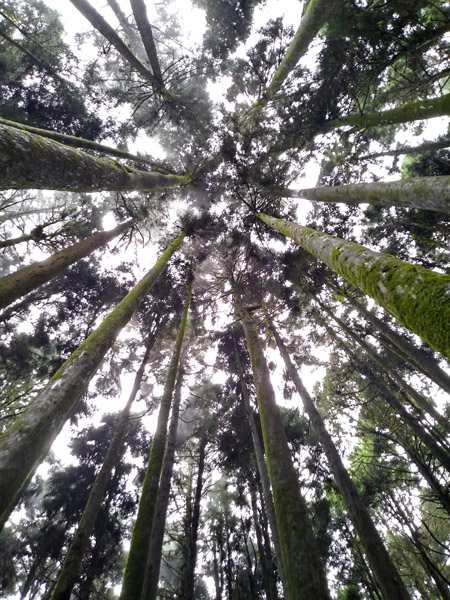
(26, 442)
(145, 30)
(305, 574)
(29, 161)
(380, 562)
(427, 193)
(72, 562)
(133, 578)
(99, 23)
(425, 147)
(412, 111)
(15, 285)
(419, 298)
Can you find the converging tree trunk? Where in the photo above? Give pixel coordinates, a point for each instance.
(419, 298)
(304, 571)
(133, 578)
(145, 29)
(428, 193)
(72, 563)
(17, 284)
(425, 147)
(380, 562)
(29, 161)
(26, 442)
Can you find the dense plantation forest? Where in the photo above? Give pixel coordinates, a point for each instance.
(225, 299)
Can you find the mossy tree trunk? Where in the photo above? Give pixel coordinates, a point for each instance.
(72, 563)
(30, 161)
(99, 23)
(425, 147)
(380, 562)
(412, 111)
(304, 571)
(15, 285)
(427, 193)
(26, 442)
(419, 298)
(134, 574)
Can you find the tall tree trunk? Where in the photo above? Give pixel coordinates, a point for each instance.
(305, 574)
(145, 29)
(419, 359)
(187, 583)
(26, 442)
(76, 142)
(151, 579)
(131, 36)
(380, 562)
(419, 298)
(29, 161)
(428, 193)
(72, 562)
(99, 23)
(15, 285)
(262, 470)
(412, 111)
(425, 147)
(133, 577)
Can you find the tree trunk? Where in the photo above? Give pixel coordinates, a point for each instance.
(380, 562)
(427, 193)
(15, 285)
(131, 36)
(151, 579)
(99, 23)
(305, 574)
(26, 442)
(262, 470)
(76, 142)
(425, 147)
(133, 577)
(419, 298)
(419, 359)
(412, 111)
(145, 29)
(29, 161)
(72, 562)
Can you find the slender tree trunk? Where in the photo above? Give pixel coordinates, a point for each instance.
(26, 442)
(131, 36)
(187, 583)
(428, 193)
(380, 562)
(72, 562)
(29, 161)
(419, 359)
(425, 147)
(133, 578)
(305, 574)
(15, 285)
(262, 470)
(151, 579)
(419, 298)
(412, 111)
(99, 23)
(145, 29)
(76, 142)
(315, 17)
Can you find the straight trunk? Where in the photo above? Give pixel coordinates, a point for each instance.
(262, 470)
(419, 298)
(380, 562)
(305, 574)
(419, 359)
(30, 161)
(72, 562)
(15, 285)
(427, 193)
(425, 147)
(145, 30)
(99, 23)
(26, 442)
(133, 577)
(150, 585)
(412, 111)
(76, 142)
(132, 38)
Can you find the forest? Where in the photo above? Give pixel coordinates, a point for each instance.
(225, 300)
